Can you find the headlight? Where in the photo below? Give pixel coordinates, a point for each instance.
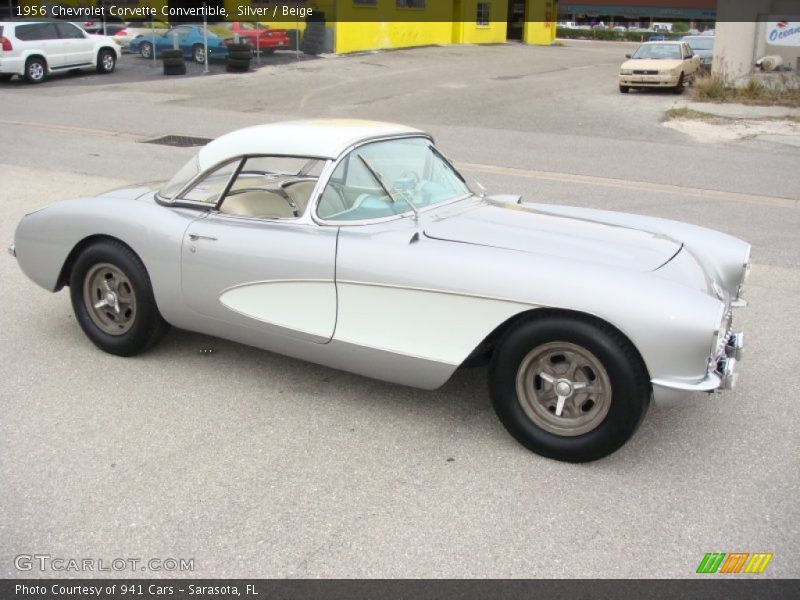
(626, 72)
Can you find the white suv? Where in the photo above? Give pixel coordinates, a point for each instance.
(35, 49)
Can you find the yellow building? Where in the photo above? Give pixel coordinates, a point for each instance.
(363, 25)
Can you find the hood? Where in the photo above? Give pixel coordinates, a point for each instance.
(133, 192)
(651, 64)
(524, 229)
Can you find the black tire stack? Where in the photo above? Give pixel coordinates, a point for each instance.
(173, 62)
(314, 35)
(239, 57)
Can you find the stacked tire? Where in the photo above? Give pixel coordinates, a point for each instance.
(314, 36)
(239, 57)
(173, 62)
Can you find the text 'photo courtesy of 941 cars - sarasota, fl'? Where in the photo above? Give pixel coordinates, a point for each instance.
(358, 245)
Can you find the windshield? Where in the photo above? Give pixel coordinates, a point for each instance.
(659, 51)
(700, 43)
(188, 172)
(389, 178)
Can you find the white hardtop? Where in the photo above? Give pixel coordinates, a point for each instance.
(319, 138)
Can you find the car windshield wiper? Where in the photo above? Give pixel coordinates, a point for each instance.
(379, 179)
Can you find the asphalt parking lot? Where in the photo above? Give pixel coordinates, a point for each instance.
(256, 465)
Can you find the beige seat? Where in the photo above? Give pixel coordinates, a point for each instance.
(257, 203)
(300, 193)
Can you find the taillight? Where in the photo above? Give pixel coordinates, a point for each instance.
(122, 32)
(7, 47)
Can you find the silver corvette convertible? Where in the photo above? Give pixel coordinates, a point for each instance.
(358, 245)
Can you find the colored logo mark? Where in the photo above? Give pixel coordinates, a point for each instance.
(734, 562)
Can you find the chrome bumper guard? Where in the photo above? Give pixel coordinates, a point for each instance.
(726, 365)
(12, 250)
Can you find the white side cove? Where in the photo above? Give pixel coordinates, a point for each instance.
(428, 324)
(305, 306)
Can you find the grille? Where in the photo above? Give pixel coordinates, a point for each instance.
(640, 72)
(181, 141)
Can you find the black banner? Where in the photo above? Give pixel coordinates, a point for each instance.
(367, 11)
(440, 589)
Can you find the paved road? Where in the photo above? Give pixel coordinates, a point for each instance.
(257, 465)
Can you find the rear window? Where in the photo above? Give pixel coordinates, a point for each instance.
(36, 31)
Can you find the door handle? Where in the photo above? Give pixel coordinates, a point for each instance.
(196, 236)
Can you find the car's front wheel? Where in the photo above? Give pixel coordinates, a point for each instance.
(106, 61)
(681, 83)
(568, 387)
(113, 300)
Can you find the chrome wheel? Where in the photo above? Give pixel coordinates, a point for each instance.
(109, 298)
(199, 54)
(108, 62)
(36, 70)
(563, 388)
(146, 50)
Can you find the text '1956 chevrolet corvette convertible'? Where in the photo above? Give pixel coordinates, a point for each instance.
(358, 245)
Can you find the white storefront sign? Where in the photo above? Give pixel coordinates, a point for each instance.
(782, 32)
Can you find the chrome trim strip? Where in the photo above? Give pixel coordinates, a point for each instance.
(12, 250)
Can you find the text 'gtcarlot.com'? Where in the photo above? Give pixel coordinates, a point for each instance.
(46, 562)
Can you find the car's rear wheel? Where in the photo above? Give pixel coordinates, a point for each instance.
(113, 300)
(146, 50)
(106, 61)
(35, 70)
(681, 82)
(199, 53)
(624, 89)
(568, 388)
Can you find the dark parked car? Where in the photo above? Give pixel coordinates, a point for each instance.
(702, 46)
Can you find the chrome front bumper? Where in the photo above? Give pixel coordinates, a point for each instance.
(721, 373)
(12, 250)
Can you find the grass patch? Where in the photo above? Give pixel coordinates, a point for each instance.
(715, 88)
(684, 112)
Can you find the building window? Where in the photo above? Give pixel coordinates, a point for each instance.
(483, 13)
(410, 3)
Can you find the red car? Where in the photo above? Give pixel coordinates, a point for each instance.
(261, 37)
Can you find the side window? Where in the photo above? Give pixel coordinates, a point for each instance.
(210, 188)
(36, 32)
(69, 31)
(272, 187)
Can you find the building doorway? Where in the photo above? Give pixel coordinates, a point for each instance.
(516, 19)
